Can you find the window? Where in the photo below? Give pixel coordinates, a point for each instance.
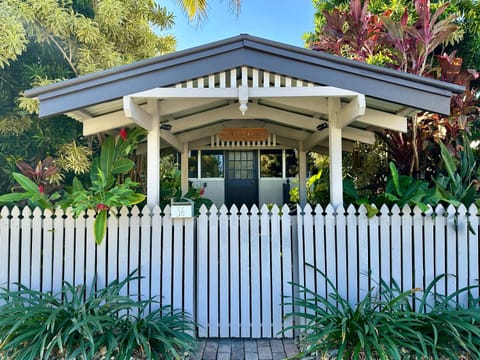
(271, 163)
(291, 162)
(241, 165)
(193, 164)
(212, 163)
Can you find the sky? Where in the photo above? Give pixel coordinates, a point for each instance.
(280, 20)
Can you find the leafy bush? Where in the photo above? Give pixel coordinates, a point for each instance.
(384, 325)
(75, 324)
(171, 186)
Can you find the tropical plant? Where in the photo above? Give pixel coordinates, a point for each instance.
(460, 183)
(408, 40)
(317, 190)
(44, 41)
(171, 186)
(32, 193)
(406, 190)
(385, 324)
(81, 323)
(104, 191)
(196, 10)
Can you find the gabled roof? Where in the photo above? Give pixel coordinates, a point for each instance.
(380, 85)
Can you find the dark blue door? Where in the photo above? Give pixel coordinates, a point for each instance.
(241, 178)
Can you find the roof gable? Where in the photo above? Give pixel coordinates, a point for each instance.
(244, 50)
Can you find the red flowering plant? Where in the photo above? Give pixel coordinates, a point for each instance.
(35, 183)
(105, 190)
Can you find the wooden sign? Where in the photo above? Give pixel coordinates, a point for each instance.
(243, 134)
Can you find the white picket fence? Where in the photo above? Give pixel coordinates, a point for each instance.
(231, 269)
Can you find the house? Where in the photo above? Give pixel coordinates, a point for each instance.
(229, 105)
(225, 107)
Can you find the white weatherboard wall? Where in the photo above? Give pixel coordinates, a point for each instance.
(231, 269)
(270, 190)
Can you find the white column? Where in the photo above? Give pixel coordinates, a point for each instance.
(335, 153)
(153, 157)
(184, 169)
(302, 174)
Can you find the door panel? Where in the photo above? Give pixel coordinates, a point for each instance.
(241, 178)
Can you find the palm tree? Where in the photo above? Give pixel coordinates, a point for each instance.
(196, 10)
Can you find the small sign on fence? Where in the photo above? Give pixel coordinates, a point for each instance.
(181, 208)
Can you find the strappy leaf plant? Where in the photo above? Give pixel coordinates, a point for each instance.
(81, 323)
(386, 324)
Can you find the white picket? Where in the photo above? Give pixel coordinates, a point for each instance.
(330, 247)
(112, 245)
(245, 294)
(319, 255)
(407, 257)
(79, 251)
(58, 242)
(300, 253)
(276, 272)
(213, 258)
(26, 246)
(167, 258)
(224, 260)
(440, 247)
(287, 272)
(385, 244)
(156, 255)
(363, 253)
(374, 252)
(341, 254)
(189, 268)
(36, 266)
(473, 238)
(133, 253)
(202, 272)
(4, 245)
(14, 253)
(69, 247)
(178, 261)
(145, 255)
(254, 286)
(462, 252)
(90, 268)
(452, 249)
(47, 251)
(309, 242)
(352, 251)
(418, 251)
(396, 245)
(124, 238)
(265, 271)
(428, 249)
(234, 273)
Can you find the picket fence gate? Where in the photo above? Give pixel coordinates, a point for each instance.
(232, 268)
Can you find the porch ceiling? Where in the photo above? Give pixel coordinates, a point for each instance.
(291, 119)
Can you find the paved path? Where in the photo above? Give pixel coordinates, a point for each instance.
(244, 349)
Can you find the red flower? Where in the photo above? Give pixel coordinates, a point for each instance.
(123, 134)
(41, 189)
(101, 207)
(202, 191)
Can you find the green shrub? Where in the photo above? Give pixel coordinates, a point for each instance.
(101, 324)
(385, 325)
